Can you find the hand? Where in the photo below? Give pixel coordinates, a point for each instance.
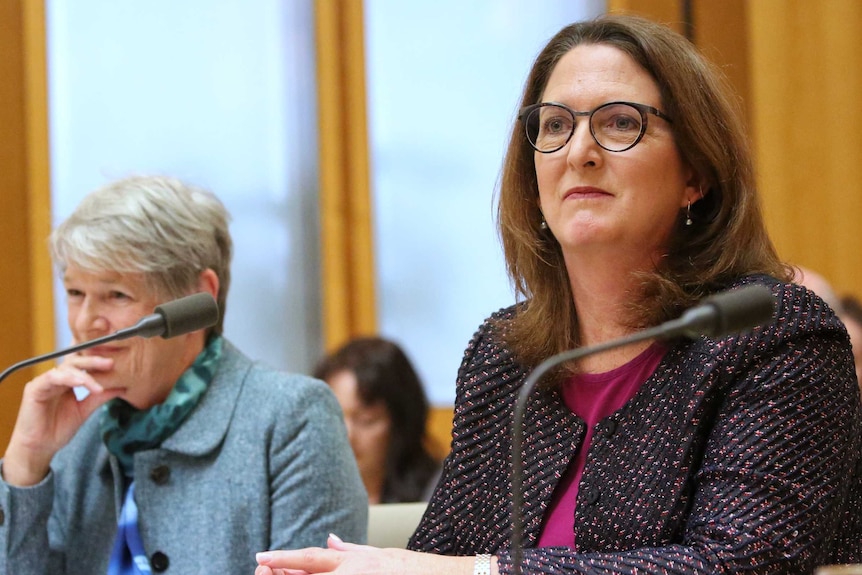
(340, 558)
(50, 415)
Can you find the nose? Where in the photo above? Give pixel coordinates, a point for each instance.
(583, 150)
(88, 319)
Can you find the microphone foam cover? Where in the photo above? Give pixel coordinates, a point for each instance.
(188, 314)
(741, 309)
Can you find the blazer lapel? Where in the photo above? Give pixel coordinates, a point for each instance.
(208, 423)
(552, 435)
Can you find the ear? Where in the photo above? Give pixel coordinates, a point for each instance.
(208, 282)
(696, 187)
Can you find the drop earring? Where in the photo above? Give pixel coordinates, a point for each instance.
(688, 220)
(543, 225)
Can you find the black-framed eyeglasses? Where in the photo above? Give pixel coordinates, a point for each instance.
(615, 126)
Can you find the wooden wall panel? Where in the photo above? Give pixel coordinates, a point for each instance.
(797, 67)
(806, 64)
(720, 31)
(347, 251)
(26, 306)
(669, 12)
(439, 430)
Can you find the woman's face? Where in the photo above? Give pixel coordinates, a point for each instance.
(592, 198)
(99, 304)
(368, 425)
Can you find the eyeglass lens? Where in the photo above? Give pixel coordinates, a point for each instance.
(614, 126)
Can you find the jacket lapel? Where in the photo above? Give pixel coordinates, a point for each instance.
(207, 425)
(552, 435)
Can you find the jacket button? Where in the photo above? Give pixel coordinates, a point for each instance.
(159, 562)
(611, 427)
(591, 495)
(160, 474)
(2, 516)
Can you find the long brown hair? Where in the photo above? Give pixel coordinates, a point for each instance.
(384, 374)
(728, 237)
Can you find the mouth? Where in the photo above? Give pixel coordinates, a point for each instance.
(585, 192)
(102, 350)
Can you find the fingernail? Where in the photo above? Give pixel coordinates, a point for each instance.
(336, 537)
(263, 557)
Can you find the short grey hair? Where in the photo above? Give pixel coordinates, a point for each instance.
(161, 227)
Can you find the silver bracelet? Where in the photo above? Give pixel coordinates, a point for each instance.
(482, 566)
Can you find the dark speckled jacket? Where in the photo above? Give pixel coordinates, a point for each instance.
(739, 454)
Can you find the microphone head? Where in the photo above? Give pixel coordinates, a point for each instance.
(188, 314)
(738, 310)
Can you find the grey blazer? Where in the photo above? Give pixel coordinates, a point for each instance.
(262, 463)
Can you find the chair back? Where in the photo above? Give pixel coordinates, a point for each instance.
(392, 524)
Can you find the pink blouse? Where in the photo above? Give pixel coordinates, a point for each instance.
(592, 397)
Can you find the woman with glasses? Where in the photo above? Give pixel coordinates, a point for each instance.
(627, 196)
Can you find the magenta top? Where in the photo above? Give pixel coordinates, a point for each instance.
(592, 397)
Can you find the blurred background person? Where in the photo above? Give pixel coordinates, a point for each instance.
(850, 313)
(817, 283)
(182, 447)
(848, 309)
(386, 411)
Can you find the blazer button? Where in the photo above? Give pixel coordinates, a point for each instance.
(160, 474)
(611, 427)
(591, 495)
(159, 562)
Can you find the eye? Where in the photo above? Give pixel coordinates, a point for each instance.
(624, 123)
(617, 119)
(366, 420)
(556, 125)
(118, 295)
(73, 293)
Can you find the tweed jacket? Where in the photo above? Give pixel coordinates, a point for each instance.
(739, 454)
(261, 463)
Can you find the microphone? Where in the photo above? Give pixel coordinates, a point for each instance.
(724, 313)
(177, 317)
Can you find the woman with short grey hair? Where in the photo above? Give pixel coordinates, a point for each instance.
(181, 446)
(167, 230)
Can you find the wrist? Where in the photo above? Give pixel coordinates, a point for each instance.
(482, 564)
(23, 470)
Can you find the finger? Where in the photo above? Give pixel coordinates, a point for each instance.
(311, 560)
(70, 376)
(92, 363)
(335, 543)
(61, 380)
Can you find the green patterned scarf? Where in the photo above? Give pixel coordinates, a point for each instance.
(127, 430)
